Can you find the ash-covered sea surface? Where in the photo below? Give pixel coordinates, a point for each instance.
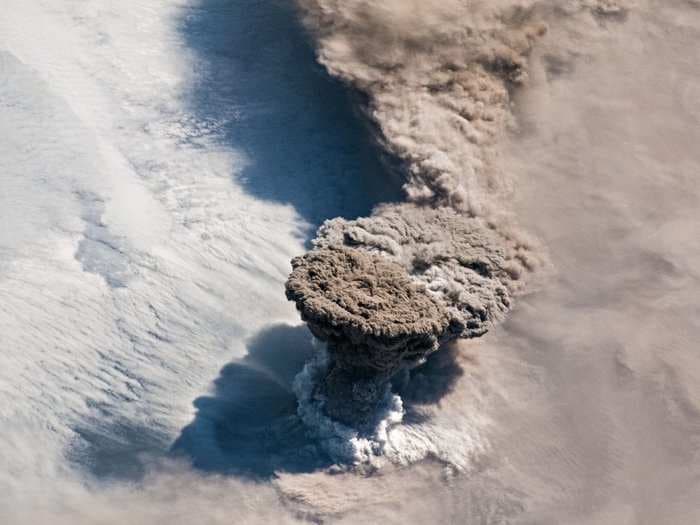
(509, 287)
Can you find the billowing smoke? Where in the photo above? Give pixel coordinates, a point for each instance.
(387, 290)
(437, 76)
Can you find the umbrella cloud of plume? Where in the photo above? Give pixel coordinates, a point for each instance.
(384, 292)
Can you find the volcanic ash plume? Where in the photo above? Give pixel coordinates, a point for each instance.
(385, 291)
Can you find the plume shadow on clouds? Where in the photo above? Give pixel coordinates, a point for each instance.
(305, 144)
(429, 383)
(248, 426)
(435, 379)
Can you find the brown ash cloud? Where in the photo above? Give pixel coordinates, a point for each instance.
(385, 291)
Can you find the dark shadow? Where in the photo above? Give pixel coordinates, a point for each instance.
(258, 85)
(248, 426)
(429, 383)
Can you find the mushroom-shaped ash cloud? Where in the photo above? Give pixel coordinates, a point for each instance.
(374, 318)
(386, 291)
(471, 267)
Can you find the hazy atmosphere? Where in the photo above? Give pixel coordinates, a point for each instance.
(360, 261)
